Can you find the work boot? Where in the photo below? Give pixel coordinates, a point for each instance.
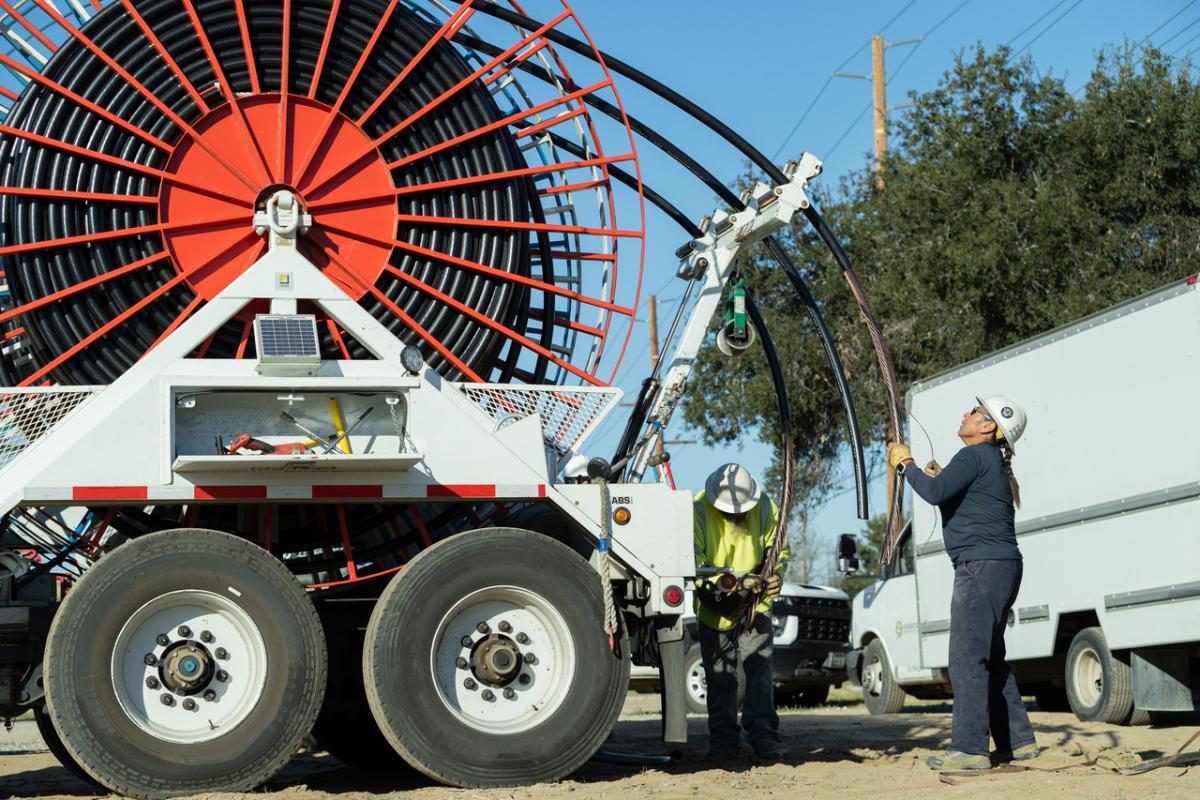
(955, 760)
(723, 754)
(1022, 753)
(767, 750)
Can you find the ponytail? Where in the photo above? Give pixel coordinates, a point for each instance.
(1006, 456)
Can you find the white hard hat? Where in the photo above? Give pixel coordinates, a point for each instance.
(1009, 417)
(576, 466)
(732, 489)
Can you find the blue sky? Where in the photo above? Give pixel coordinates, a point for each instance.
(765, 66)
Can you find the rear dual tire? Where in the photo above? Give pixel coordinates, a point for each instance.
(555, 687)
(193, 719)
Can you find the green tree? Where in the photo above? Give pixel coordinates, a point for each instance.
(1010, 207)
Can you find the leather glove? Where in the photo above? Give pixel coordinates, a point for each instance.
(933, 469)
(752, 583)
(896, 453)
(774, 586)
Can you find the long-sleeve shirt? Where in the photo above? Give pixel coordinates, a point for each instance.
(721, 541)
(973, 494)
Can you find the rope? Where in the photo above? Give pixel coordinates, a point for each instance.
(604, 563)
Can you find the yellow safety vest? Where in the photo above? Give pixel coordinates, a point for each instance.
(722, 542)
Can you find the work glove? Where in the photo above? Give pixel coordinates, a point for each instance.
(752, 583)
(774, 586)
(933, 469)
(896, 453)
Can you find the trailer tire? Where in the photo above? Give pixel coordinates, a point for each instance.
(53, 742)
(881, 693)
(551, 651)
(1099, 685)
(224, 607)
(695, 683)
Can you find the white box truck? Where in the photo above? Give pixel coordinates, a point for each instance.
(1107, 621)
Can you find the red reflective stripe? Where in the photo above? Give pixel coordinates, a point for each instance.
(541, 490)
(109, 493)
(353, 490)
(231, 492)
(461, 490)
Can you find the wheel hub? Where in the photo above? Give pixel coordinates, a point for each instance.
(497, 660)
(186, 668)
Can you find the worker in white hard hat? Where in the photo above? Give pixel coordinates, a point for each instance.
(735, 526)
(977, 494)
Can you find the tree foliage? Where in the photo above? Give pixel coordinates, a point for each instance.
(1010, 207)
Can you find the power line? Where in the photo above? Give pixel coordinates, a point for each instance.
(1168, 21)
(1046, 30)
(1031, 25)
(1191, 24)
(1185, 44)
(829, 80)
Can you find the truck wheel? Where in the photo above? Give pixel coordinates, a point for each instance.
(1099, 686)
(184, 661)
(54, 744)
(486, 663)
(697, 685)
(881, 693)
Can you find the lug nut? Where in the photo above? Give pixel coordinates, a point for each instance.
(152, 682)
(487, 695)
(189, 704)
(522, 638)
(162, 639)
(505, 627)
(530, 658)
(470, 683)
(460, 662)
(222, 653)
(222, 675)
(206, 637)
(466, 641)
(150, 659)
(185, 631)
(509, 694)
(524, 679)
(210, 695)
(167, 699)
(483, 627)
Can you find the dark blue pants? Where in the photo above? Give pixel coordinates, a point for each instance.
(985, 691)
(721, 656)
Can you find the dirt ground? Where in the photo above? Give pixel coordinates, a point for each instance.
(834, 753)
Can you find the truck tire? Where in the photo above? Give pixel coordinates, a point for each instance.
(1099, 685)
(881, 693)
(486, 663)
(54, 744)
(184, 661)
(697, 685)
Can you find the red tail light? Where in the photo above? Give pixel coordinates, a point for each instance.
(673, 595)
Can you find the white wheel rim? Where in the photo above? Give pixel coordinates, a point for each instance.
(697, 683)
(872, 679)
(1089, 677)
(213, 678)
(523, 625)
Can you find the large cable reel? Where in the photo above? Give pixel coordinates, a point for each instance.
(141, 137)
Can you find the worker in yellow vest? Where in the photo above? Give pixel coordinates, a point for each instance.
(735, 525)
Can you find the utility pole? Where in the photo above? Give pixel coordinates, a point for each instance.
(880, 86)
(878, 79)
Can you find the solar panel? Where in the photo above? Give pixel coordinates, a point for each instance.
(286, 339)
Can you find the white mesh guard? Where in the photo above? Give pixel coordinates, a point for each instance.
(568, 414)
(27, 415)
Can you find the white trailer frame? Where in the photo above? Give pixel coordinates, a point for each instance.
(1110, 476)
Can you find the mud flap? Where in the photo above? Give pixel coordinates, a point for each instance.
(672, 681)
